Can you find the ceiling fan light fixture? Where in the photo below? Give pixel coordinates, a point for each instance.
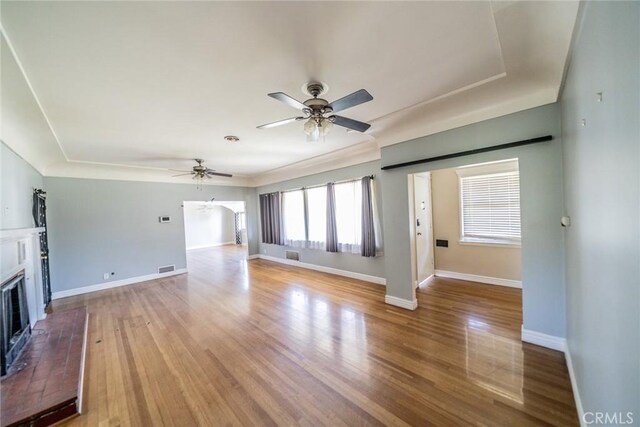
(310, 126)
(325, 127)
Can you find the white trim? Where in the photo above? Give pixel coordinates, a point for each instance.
(356, 154)
(544, 340)
(33, 93)
(80, 401)
(330, 270)
(215, 245)
(114, 284)
(425, 281)
(490, 242)
(400, 302)
(19, 233)
(574, 385)
(254, 256)
(480, 279)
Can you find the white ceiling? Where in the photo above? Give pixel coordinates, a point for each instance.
(129, 86)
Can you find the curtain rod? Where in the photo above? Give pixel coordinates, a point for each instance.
(320, 185)
(470, 152)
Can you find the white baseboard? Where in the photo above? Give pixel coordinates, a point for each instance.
(114, 284)
(480, 279)
(331, 270)
(544, 340)
(254, 256)
(215, 245)
(400, 302)
(574, 386)
(425, 281)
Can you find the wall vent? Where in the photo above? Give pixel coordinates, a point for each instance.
(293, 255)
(166, 269)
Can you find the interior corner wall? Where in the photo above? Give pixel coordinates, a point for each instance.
(602, 194)
(17, 181)
(103, 226)
(343, 261)
(541, 205)
(502, 262)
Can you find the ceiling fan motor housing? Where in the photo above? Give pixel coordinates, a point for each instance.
(316, 89)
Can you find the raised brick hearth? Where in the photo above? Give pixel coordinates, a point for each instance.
(44, 384)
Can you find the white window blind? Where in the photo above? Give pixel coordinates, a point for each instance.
(490, 206)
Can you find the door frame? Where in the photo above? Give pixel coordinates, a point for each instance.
(413, 232)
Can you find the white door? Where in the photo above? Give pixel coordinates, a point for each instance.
(423, 227)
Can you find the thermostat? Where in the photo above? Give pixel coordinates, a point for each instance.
(164, 218)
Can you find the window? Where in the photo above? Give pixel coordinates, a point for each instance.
(293, 213)
(300, 218)
(242, 221)
(349, 215)
(317, 212)
(490, 203)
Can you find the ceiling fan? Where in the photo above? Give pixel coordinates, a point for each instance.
(318, 112)
(201, 172)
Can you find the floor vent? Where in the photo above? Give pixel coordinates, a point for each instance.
(293, 255)
(166, 269)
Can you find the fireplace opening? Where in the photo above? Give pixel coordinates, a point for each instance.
(14, 320)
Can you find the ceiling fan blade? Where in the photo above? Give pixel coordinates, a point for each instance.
(350, 123)
(280, 122)
(283, 97)
(182, 174)
(228, 175)
(178, 170)
(356, 98)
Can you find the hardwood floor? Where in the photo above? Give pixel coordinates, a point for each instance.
(259, 343)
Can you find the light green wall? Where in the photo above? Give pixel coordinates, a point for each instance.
(541, 205)
(99, 226)
(602, 188)
(342, 261)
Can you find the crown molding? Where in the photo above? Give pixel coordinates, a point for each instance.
(88, 170)
(353, 155)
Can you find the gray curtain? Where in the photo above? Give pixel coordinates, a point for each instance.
(236, 227)
(332, 229)
(368, 246)
(271, 218)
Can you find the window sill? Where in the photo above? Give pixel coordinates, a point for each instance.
(490, 242)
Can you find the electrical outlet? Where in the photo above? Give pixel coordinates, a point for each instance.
(105, 276)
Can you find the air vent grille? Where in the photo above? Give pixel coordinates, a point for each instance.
(292, 255)
(166, 269)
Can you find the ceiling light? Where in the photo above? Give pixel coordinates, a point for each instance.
(325, 127)
(231, 138)
(311, 127)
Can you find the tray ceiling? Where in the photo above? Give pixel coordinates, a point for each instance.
(150, 85)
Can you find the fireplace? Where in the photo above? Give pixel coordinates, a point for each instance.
(14, 320)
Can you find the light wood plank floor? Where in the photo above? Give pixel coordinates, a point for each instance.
(239, 342)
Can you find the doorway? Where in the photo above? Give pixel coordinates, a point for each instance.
(466, 224)
(422, 220)
(213, 224)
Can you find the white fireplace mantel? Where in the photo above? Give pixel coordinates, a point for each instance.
(18, 233)
(20, 250)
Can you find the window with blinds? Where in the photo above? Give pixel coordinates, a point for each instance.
(490, 207)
